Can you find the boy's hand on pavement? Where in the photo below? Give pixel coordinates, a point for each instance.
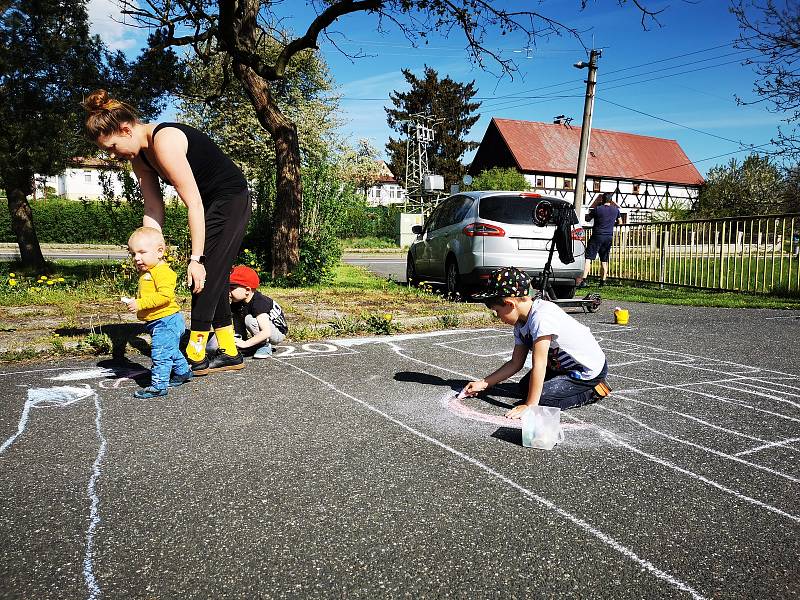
(474, 387)
(240, 343)
(133, 307)
(516, 412)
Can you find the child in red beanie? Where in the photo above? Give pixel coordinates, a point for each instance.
(258, 321)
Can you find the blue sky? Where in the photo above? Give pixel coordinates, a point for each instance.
(686, 71)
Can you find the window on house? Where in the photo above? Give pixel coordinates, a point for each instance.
(567, 183)
(87, 176)
(595, 185)
(540, 182)
(636, 188)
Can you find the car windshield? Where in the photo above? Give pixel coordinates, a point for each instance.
(514, 210)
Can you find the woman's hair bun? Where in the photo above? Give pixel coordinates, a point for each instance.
(96, 101)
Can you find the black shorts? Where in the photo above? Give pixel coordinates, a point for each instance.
(599, 244)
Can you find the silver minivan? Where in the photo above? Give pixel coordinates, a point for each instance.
(469, 235)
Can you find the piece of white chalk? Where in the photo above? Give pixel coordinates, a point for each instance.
(462, 394)
(125, 299)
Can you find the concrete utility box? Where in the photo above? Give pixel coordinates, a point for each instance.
(433, 183)
(405, 221)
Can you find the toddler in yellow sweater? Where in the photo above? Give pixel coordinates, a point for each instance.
(155, 305)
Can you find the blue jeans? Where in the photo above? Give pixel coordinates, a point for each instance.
(562, 390)
(165, 349)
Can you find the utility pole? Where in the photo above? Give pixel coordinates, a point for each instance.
(586, 129)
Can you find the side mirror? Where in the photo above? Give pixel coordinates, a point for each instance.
(416, 230)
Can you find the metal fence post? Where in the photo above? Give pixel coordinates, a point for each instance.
(663, 263)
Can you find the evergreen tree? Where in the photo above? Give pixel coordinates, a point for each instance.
(447, 102)
(48, 63)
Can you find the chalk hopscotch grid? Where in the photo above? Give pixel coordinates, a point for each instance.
(613, 437)
(582, 524)
(743, 382)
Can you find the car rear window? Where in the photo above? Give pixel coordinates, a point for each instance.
(514, 210)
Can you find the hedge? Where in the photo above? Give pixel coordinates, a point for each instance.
(84, 222)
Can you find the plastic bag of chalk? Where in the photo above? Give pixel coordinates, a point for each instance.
(541, 427)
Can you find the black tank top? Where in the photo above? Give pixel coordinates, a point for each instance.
(216, 174)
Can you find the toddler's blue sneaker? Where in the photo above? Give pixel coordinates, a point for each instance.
(264, 352)
(149, 392)
(180, 379)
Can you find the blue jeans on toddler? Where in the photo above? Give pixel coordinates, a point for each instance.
(165, 349)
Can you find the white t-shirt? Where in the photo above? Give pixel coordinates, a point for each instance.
(573, 347)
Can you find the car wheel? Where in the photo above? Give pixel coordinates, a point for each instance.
(453, 279)
(411, 273)
(564, 291)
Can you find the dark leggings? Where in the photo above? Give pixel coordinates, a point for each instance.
(563, 391)
(226, 220)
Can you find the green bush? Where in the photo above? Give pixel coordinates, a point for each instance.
(97, 222)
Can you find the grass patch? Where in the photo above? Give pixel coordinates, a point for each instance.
(369, 243)
(653, 294)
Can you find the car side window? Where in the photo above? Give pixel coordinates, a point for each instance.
(462, 208)
(451, 211)
(431, 222)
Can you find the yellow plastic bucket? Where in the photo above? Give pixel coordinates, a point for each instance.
(621, 316)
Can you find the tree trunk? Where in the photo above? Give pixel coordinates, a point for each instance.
(22, 223)
(289, 190)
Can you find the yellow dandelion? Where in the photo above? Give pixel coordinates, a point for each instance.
(56, 335)
(387, 317)
(252, 262)
(50, 282)
(11, 275)
(60, 280)
(12, 282)
(43, 278)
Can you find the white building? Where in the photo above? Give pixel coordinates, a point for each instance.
(386, 190)
(82, 180)
(645, 174)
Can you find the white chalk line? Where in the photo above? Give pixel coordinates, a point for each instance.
(723, 399)
(760, 394)
(58, 396)
(621, 394)
(718, 453)
(679, 386)
(94, 510)
(776, 383)
(612, 436)
(9, 373)
(782, 443)
(584, 525)
(764, 385)
(23, 422)
(383, 339)
(707, 358)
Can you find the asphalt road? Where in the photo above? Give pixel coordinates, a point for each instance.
(348, 469)
(392, 266)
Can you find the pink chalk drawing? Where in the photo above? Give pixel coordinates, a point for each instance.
(456, 405)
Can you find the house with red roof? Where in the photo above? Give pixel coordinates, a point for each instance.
(645, 173)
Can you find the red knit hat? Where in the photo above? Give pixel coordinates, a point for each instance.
(241, 275)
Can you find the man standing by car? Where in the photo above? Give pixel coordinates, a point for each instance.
(605, 216)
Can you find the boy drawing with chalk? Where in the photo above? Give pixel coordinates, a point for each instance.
(569, 368)
(155, 304)
(258, 320)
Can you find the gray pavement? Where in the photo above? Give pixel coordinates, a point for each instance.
(347, 468)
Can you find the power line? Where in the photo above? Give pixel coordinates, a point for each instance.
(728, 44)
(701, 160)
(641, 112)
